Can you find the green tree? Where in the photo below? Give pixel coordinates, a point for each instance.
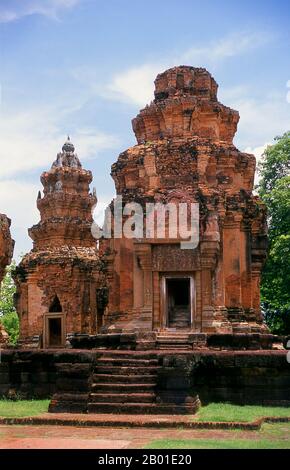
(274, 190)
(8, 314)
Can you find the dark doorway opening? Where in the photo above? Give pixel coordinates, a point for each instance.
(56, 305)
(178, 303)
(55, 332)
(54, 327)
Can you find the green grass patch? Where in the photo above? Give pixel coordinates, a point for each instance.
(218, 444)
(22, 408)
(271, 436)
(227, 412)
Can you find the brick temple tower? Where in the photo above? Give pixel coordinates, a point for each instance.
(185, 153)
(6, 244)
(6, 253)
(57, 281)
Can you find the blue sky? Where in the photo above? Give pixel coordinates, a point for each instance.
(85, 67)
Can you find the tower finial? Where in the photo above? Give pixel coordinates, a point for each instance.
(68, 146)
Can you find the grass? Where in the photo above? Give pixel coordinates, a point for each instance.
(227, 412)
(211, 412)
(22, 408)
(219, 444)
(271, 436)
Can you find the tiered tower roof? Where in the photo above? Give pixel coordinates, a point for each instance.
(66, 205)
(186, 106)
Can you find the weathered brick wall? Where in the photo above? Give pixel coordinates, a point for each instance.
(6, 244)
(27, 374)
(6, 253)
(241, 377)
(37, 374)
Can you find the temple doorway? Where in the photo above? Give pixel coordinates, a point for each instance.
(54, 329)
(178, 302)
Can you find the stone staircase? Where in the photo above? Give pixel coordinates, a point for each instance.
(123, 382)
(170, 339)
(179, 317)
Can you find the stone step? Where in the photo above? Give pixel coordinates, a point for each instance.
(126, 362)
(123, 379)
(179, 317)
(180, 325)
(118, 370)
(122, 387)
(129, 398)
(170, 339)
(174, 347)
(129, 355)
(173, 335)
(180, 314)
(140, 408)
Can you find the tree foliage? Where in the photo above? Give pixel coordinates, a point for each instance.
(274, 190)
(8, 314)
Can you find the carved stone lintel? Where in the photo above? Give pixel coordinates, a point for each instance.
(172, 258)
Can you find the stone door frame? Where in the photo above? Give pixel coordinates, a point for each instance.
(46, 318)
(164, 297)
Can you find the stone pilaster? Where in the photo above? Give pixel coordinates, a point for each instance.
(144, 256)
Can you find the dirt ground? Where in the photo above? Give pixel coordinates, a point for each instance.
(67, 437)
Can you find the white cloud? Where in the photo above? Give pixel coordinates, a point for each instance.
(135, 85)
(22, 8)
(261, 121)
(99, 211)
(288, 94)
(31, 140)
(258, 152)
(18, 201)
(230, 46)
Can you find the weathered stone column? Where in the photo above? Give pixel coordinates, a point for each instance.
(232, 264)
(245, 258)
(143, 252)
(259, 250)
(209, 251)
(144, 256)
